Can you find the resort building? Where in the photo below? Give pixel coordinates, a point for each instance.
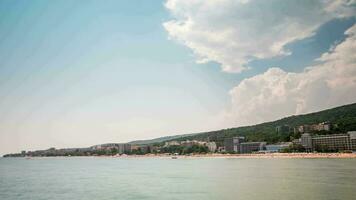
(334, 142)
(337, 142)
(124, 148)
(249, 147)
(238, 145)
(352, 139)
(233, 144)
(274, 148)
(306, 141)
(120, 147)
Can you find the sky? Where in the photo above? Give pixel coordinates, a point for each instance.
(80, 73)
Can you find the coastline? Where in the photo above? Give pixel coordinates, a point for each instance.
(215, 155)
(267, 155)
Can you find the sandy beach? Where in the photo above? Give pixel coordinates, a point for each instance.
(266, 155)
(216, 155)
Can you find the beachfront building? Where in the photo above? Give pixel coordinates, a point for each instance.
(120, 147)
(238, 145)
(249, 147)
(233, 144)
(306, 141)
(274, 148)
(352, 135)
(334, 142)
(124, 148)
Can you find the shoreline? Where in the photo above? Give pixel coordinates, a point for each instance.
(216, 155)
(267, 155)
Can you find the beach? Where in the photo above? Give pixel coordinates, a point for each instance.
(264, 155)
(218, 155)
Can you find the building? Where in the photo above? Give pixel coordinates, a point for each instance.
(124, 148)
(324, 126)
(306, 141)
(211, 146)
(107, 146)
(135, 148)
(334, 142)
(249, 147)
(274, 148)
(238, 145)
(352, 139)
(190, 143)
(171, 143)
(229, 144)
(233, 144)
(120, 147)
(302, 129)
(154, 149)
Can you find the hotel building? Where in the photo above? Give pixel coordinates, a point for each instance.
(249, 147)
(233, 144)
(334, 142)
(238, 145)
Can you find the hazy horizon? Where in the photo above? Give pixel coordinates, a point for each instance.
(80, 73)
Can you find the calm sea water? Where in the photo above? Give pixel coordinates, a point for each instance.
(165, 178)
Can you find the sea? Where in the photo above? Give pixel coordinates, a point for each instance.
(106, 178)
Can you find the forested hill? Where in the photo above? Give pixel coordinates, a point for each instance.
(343, 116)
(160, 139)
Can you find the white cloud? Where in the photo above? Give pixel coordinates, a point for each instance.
(276, 93)
(234, 32)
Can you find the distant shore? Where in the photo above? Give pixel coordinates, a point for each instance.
(266, 155)
(215, 155)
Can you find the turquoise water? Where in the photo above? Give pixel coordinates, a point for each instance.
(165, 178)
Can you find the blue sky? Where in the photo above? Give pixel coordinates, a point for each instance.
(78, 73)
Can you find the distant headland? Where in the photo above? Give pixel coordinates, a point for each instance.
(328, 132)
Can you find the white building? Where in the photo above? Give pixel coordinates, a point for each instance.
(171, 143)
(211, 146)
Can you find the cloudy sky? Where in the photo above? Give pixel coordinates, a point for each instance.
(79, 73)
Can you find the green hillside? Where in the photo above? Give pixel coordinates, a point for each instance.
(343, 116)
(160, 139)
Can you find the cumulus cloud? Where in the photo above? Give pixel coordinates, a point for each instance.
(234, 32)
(277, 93)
